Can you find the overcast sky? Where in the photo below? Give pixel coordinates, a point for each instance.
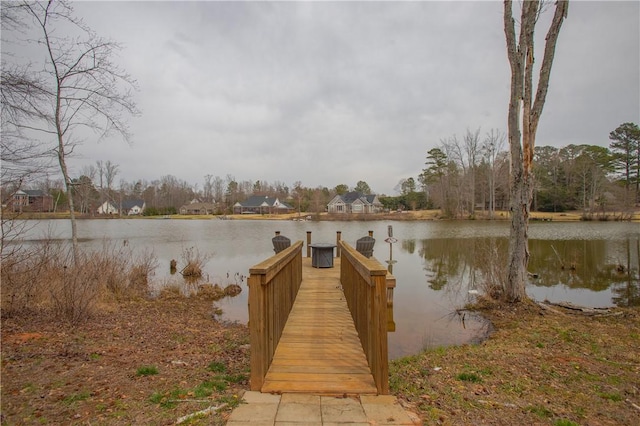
(336, 92)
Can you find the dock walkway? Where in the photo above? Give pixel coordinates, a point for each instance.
(319, 374)
(320, 351)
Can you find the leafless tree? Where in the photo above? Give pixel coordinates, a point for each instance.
(23, 159)
(21, 92)
(524, 114)
(110, 172)
(452, 182)
(83, 88)
(465, 154)
(207, 189)
(218, 189)
(471, 150)
(100, 173)
(491, 147)
(84, 188)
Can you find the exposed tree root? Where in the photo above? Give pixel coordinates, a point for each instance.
(570, 308)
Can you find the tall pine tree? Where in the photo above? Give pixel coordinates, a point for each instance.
(625, 146)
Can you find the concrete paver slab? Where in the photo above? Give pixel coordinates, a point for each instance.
(387, 414)
(378, 399)
(300, 398)
(303, 413)
(251, 397)
(301, 424)
(245, 423)
(342, 410)
(255, 412)
(350, 424)
(313, 410)
(386, 410)
(333, 400)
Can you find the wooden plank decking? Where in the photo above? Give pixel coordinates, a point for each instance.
(319, 351)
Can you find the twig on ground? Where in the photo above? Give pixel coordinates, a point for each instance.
(507, 405)
(636, 406)
(204, 412)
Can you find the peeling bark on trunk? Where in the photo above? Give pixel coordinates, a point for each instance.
(518, 236)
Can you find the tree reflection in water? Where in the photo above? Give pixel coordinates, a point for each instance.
(457, 265)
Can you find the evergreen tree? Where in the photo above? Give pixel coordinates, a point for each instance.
(625, 146)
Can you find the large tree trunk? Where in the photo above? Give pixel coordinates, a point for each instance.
(520, 52)
(519, 234)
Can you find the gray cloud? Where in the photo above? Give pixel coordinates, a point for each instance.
(336, 92)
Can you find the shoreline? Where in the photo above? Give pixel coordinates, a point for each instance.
(419, 215)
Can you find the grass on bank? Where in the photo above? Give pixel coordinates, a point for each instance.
(147, 370)
(537, 368)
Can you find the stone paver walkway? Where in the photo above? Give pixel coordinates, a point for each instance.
(262, 409)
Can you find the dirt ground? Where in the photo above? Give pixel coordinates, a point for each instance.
(144, 362)
(151, 362)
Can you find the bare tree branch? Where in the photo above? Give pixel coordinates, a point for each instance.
(77, 85)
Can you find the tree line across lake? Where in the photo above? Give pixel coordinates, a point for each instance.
(461, 176)
(464, 175)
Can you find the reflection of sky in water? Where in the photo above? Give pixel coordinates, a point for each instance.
(582, 297)
(435, 261)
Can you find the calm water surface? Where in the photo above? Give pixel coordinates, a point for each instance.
(438, 265)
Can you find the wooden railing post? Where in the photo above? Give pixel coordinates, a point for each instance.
(364, 281)
(273, 287)
(258, 331)
(379, 344)
(338, 238)
(308, 243)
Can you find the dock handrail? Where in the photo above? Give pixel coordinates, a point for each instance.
(364, 282)
(273, 286)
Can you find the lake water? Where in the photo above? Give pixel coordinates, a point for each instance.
(437, 264)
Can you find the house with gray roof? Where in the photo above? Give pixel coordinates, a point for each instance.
(355, 202)
(196, 207)
(261, 204)
(31, 200)
(132, 207)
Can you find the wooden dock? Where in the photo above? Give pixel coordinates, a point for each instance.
(319, 351)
